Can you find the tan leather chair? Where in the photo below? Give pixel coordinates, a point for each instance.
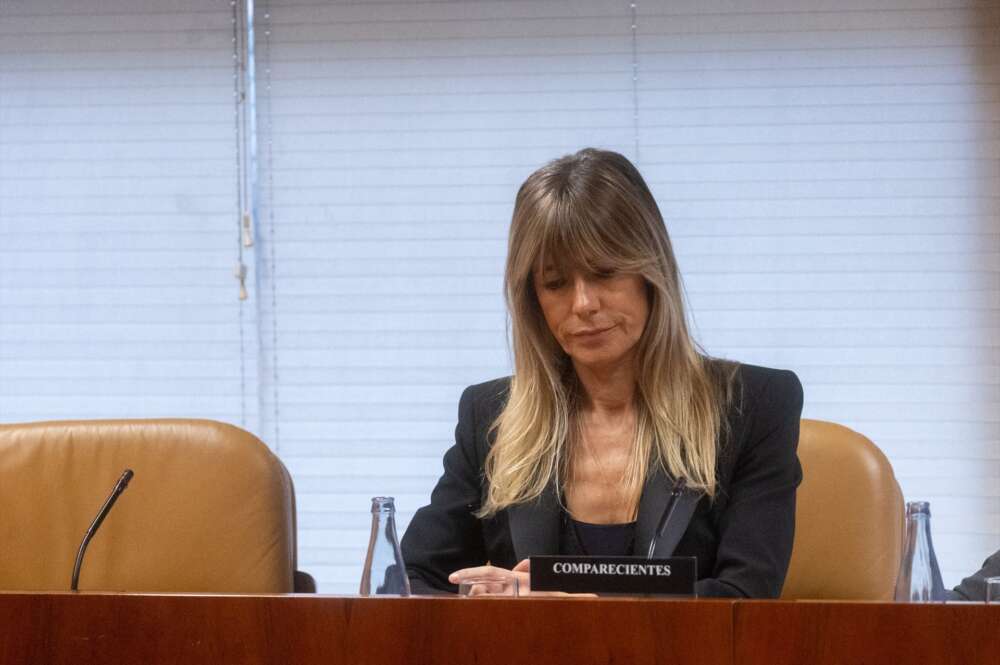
(210, 508)
(848, 518)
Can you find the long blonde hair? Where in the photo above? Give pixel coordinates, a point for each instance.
(594, 209)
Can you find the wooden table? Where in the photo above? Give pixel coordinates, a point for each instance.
(152, 629)
(818, 633)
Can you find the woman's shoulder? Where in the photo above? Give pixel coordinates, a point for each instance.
(493, 389)
(750, 391)
(488, 397)
(750, 387)
(762, 399)
(758, 383)
(762, 421)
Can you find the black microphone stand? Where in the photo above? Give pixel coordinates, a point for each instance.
(96, 524)
(668, 511)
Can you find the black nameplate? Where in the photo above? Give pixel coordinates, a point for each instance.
(630, 575)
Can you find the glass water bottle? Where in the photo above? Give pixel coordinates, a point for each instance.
(919, 577)
(385, 573)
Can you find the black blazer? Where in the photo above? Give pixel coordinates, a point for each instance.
(742, 538)
(973, 587)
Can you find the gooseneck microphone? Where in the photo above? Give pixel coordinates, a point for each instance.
(96, 524)
(668, 510)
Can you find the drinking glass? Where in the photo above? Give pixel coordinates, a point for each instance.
(489, 587)
(993, 590)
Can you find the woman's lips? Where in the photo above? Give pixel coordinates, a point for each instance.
(591, 332)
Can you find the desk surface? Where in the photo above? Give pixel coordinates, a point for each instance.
(132, 628)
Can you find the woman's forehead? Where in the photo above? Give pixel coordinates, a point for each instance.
(569, 262)
(567, 259)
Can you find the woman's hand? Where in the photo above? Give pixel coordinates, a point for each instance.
(502, 577)
(521, 572)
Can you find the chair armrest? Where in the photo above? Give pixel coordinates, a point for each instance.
(304, 582)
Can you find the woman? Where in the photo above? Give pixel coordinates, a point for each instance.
(611, 409)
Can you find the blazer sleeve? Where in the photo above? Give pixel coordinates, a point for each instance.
(757, 527)
(973, 587)
(445, 535)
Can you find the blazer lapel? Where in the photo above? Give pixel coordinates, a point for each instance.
(534, 526)
(655, 497)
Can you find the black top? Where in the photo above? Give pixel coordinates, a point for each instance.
(742, 537)
(583, 539)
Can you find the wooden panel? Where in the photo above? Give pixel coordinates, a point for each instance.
(151, 629)
(110, 628)
(768, 633)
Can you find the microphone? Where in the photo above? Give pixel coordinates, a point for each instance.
(96, 524)
(668, 510)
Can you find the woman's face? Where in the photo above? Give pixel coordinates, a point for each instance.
(597, 317)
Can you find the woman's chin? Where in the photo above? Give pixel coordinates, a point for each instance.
(597, 359)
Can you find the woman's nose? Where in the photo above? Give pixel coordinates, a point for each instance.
(585, 300)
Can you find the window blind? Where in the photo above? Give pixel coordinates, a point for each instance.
(828, 172)
(831, 176)
(393, 137)
(119, 212)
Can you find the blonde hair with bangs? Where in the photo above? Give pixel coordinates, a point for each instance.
(593, 210)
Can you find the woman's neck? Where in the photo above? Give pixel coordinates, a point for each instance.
(608, 393)
(600, 489)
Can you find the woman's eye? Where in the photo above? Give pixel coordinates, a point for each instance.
(554, 284)
(605, 273)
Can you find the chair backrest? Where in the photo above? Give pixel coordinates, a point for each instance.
(210, 508)
(848, 518)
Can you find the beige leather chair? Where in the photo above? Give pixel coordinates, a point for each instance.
(210, 508)
(848, 518)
